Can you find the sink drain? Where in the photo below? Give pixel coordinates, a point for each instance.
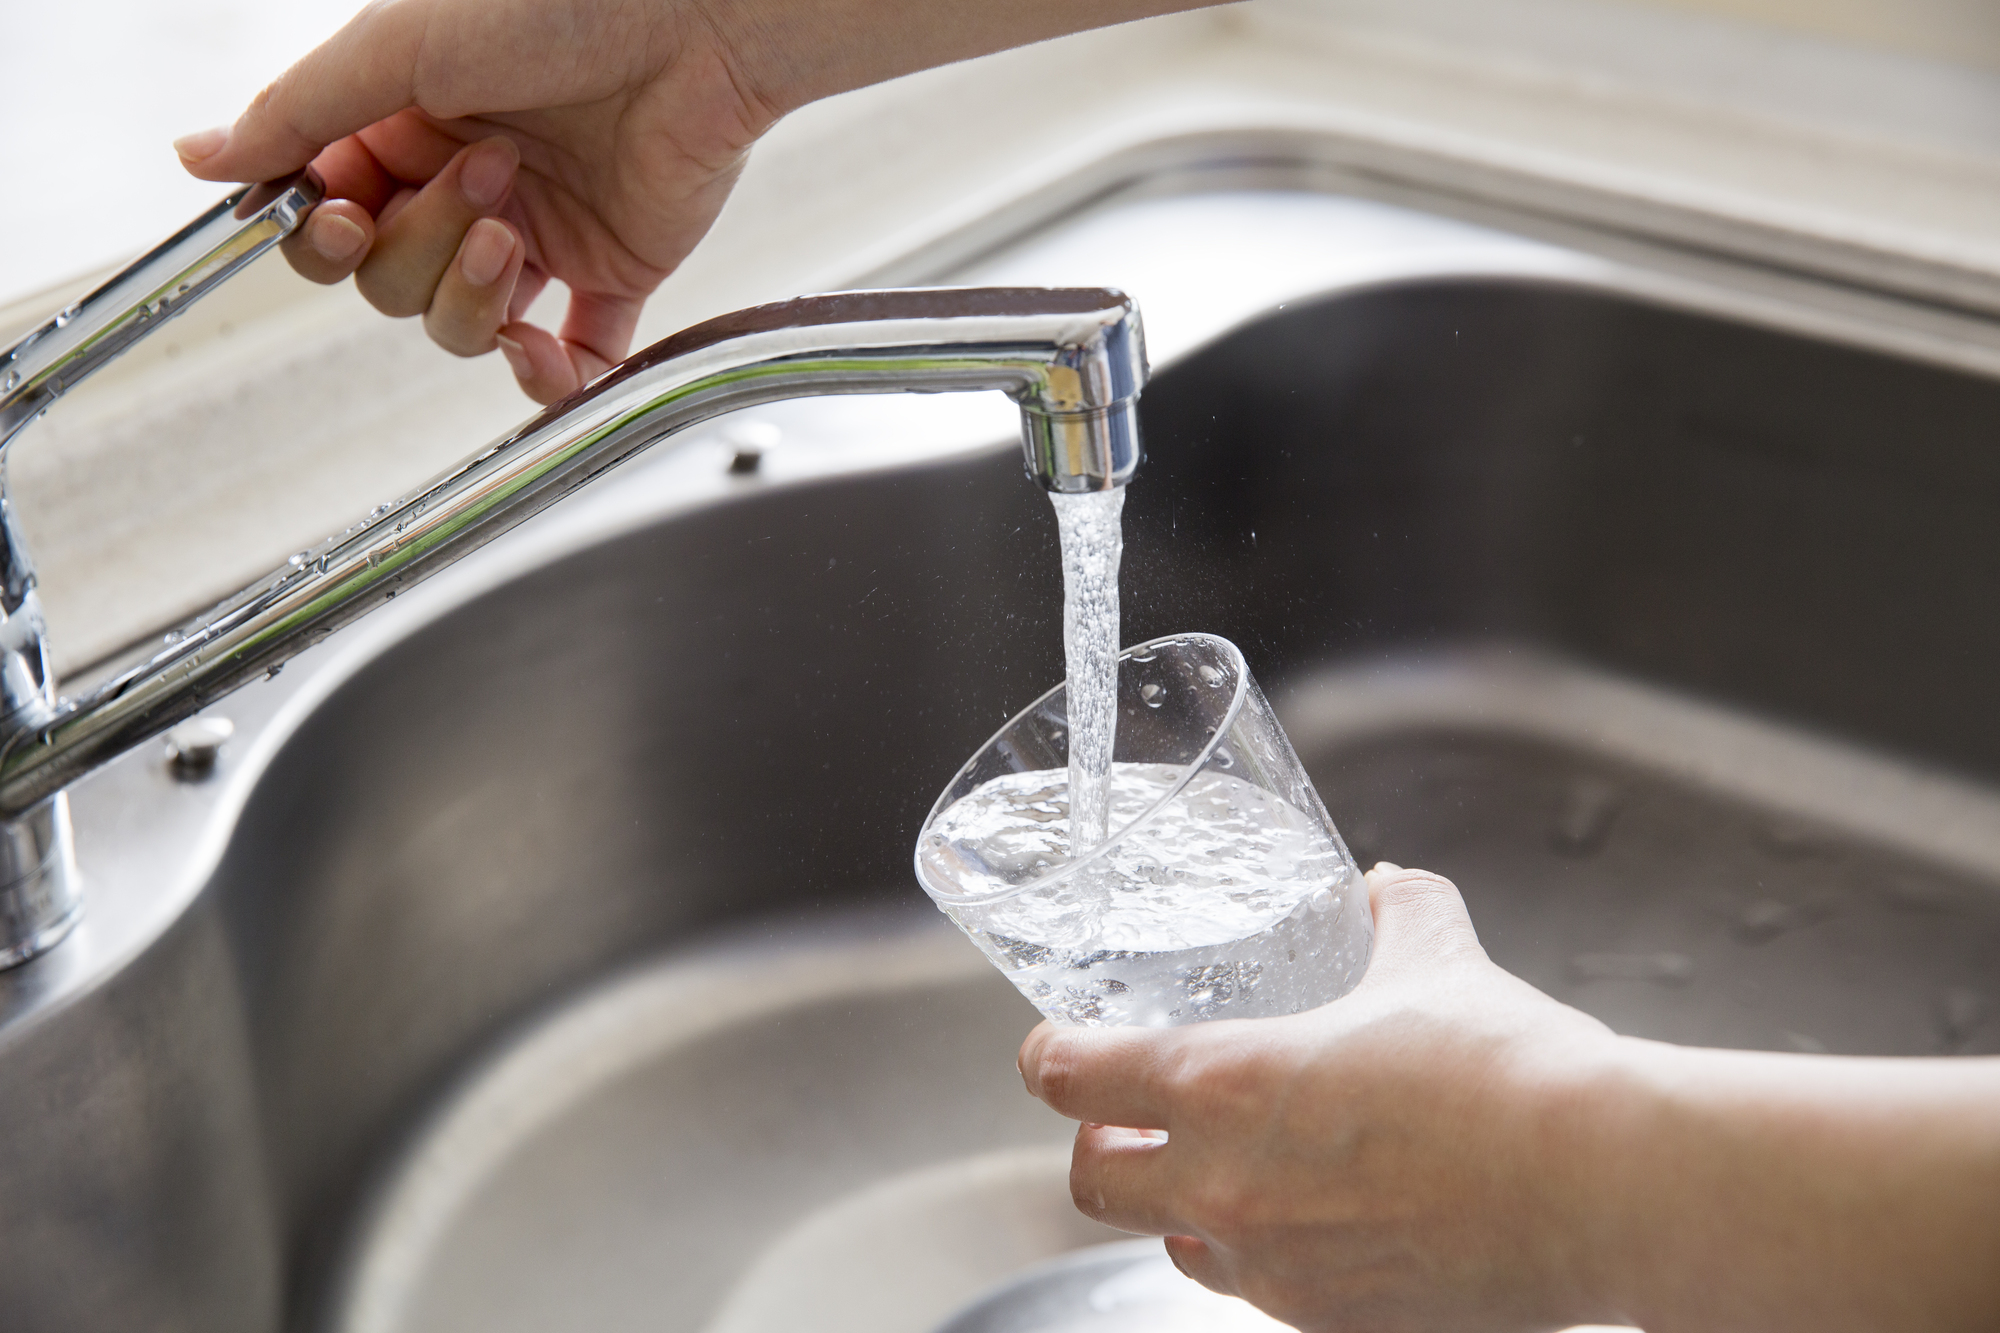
(1124, 1287)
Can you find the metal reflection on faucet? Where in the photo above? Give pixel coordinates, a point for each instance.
(1073, 359)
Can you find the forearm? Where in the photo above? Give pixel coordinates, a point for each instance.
(790, 53)
(1736, 1190)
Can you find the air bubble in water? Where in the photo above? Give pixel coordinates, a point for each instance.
(13, 380)
(1215, 888)
(1152, 694)
(1209, 675)
(172, 636)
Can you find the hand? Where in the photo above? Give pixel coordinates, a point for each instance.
(1392, 1160)
(475, 149)
(1448, 1148)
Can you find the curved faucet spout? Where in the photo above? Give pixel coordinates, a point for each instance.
(1073, 359)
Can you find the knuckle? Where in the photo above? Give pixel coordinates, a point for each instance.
(394, 298)
(1430, 904)
(1192, 1072)
(261, 100)
(1223, 1209)
(1224, 1086)
(1057, 1073)
(457, 340)
(272, 108)
(1419, 887)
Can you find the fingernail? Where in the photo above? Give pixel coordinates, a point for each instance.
(488, 171)
(336, 238)
(488, 247)
(517, 357)
(201, 145)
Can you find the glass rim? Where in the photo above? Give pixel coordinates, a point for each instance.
(1172, 789)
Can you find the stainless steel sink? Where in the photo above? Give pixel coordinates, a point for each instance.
(594, 991)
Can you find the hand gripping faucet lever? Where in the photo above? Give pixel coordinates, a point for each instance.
(1073, 359)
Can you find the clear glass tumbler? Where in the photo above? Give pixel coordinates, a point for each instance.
(1222, 891)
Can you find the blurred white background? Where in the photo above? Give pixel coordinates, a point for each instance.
(92, 93)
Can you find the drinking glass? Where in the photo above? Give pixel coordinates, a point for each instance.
(1223, 889)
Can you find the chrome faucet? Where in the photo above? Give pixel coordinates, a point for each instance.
(1073, 359)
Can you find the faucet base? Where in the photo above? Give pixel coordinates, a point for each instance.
(39, 902)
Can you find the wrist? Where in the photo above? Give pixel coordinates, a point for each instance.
(1601, 1123)
(788, 53)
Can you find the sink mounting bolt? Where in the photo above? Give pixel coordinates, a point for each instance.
(193, 745)
(750, 440)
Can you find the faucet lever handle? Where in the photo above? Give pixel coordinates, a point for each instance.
(95, 331)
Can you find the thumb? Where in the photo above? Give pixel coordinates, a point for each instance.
(1420, 921)
(1104, 1076)
(364, 73)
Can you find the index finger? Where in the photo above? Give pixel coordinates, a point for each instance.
(364, 73)
(1105, 1076)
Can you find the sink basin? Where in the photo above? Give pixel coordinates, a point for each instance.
(545, 953)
